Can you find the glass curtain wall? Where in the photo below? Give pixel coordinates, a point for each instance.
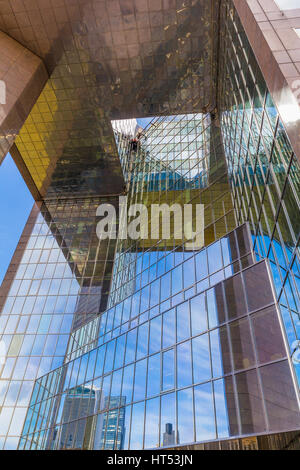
(180, 355)
(263, 169)
(129, 344)
(58, 279)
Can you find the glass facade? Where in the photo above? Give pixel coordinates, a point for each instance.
(263, 170)
(58, 279)
(199, 371)
(146, 343)
(180, 160)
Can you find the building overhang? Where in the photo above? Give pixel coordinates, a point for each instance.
(107, 60)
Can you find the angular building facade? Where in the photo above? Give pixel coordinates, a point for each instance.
(123, 343)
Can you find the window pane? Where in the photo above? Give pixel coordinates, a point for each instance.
(221, 409)
(167, 427)
(169, 328)
(201, 359)
(105, 392)
(99, 432)
(198, 315)
(99, 362)
(183, 321)
(152, 423)
(214, 257)
(116, 388)
(282, 408)
(188, 273)
(201, 265)
(242, 348)
(109, 357)
(128, 383)
(184, 364)
(268, 336)
(219, 355)
(234, 292)
(126, 429)
(121, 427)
(120, 349)
(153, 383)
(250, 403)
(155, 335)
(142, 347)
(168, 380)
(137, 426)
(259, 293)
(176, 280)
(140, 380)
(204, 413)
(211, 308)
(131, 346)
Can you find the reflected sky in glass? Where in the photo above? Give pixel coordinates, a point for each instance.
(15, 205)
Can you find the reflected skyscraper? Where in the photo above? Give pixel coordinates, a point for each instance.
(79, 402)
(169, 436)
(123, 343)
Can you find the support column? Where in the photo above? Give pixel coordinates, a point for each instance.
(22, 78)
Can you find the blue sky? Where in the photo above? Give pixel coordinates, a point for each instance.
(15, 205)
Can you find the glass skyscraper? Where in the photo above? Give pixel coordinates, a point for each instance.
(122, 343)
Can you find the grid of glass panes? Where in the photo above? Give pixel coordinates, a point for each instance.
(270, 167)
(264, 171)
(173, 153)
(166, 289)
(174, 371)
(212, 264)
(35, 324)
(179, 143)
(72, 225)
(158, 176)
(56, 280)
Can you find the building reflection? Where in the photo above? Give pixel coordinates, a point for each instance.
(110, 427)
(169, 436)
(79, 403)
